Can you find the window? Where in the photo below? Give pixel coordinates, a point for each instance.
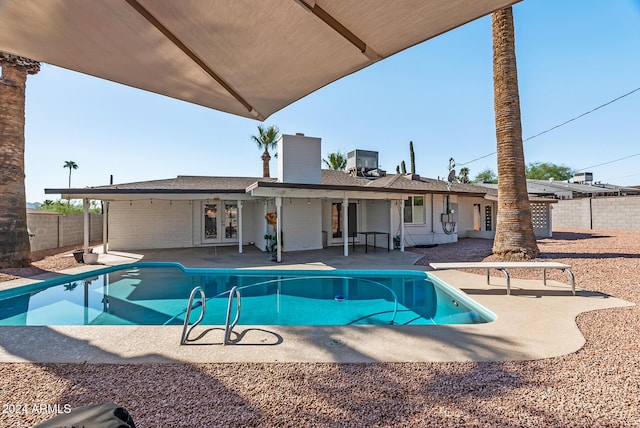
(414, 209)
(488, 220)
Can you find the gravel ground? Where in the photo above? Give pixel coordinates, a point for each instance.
(598, 386)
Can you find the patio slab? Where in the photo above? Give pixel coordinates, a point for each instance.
(534, 322)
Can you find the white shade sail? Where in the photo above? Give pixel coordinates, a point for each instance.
(246, 57)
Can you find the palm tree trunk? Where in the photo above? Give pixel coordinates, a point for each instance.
(265, 163)
(14, 238)
(514, 238)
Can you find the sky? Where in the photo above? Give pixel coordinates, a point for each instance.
(573, 56)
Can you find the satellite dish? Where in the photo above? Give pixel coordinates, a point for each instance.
(452, 176)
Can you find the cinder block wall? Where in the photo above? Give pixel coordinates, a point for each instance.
(45, 229)
(53, 231)
(610, 213)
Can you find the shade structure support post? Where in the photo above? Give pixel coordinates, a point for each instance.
(85, 207)
(402, 225)
(345, 225)
(240, 227)
(105, 227)
(279, 228)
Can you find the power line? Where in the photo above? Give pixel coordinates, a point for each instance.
(618, 178)
(606, 163)
(562, 124)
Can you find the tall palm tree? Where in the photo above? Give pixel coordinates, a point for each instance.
(15, 250)
(71, 165)
(266, 139)
(336, 161)
(514, 239)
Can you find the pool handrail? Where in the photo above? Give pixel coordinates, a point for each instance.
(186, 329)
(229, 327)
(235, 290)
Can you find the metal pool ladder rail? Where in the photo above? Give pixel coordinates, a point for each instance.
(186, 328)
(228, 327)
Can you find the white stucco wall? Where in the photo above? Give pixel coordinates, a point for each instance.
(423, 234)
(465, 225)
(146, 225)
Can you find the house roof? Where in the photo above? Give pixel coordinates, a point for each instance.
(539, 189)
(331, 181)
(546, 187)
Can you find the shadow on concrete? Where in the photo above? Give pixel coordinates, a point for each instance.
(501, 290)
(559, 255)
(265, 337)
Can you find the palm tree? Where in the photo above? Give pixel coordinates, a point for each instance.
(514, 232)
(336, 161)
(71, 165)
(266, 139)
(464, 175)
(15, 249)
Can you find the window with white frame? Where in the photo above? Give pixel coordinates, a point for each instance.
(414, 209)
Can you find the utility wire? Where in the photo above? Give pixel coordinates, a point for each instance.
(606, 163)
(562, 124)
(618, 178)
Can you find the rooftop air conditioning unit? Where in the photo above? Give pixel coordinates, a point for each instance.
(362, 160)
(583, 177)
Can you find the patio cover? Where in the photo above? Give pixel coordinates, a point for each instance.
(246, 57)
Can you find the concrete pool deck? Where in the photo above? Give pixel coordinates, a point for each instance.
(534, 322)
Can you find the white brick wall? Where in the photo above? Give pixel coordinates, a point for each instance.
(146, 225)
(376, 215)
(301, 224)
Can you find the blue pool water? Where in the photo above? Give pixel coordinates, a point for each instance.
(157, 294)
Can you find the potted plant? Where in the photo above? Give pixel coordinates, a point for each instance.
(272, 244)
(90, 257)
(77, 254)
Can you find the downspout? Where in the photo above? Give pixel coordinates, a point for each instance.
(432, 229)
(590, 214)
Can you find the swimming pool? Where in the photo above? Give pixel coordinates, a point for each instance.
(157, 294)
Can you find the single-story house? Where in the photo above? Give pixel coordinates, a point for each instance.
(307, 207)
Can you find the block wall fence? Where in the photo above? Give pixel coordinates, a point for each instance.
(54, 230)
(605, 213)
